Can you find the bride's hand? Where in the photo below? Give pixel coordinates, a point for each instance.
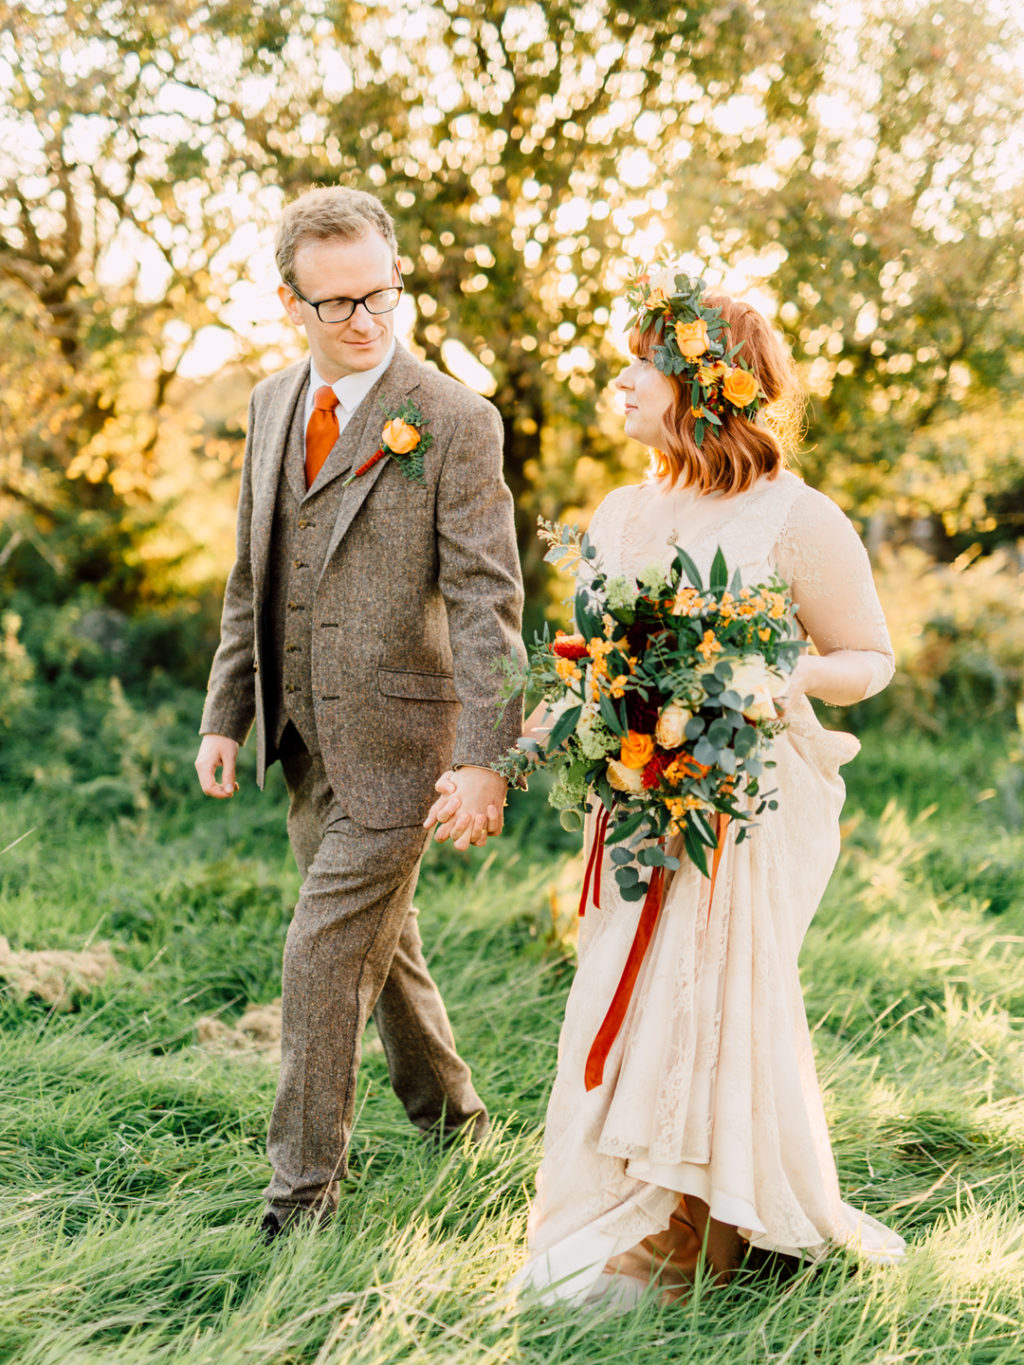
(447, 803)
(798, 684)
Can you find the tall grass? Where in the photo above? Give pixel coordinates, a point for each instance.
(131, 1159)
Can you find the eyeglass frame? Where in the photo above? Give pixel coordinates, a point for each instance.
(400, 286)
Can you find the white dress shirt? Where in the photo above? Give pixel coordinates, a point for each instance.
(351, 389)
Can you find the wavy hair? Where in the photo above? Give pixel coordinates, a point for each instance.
(332, 213)
(731, 457)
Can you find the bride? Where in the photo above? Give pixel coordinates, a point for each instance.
(708, 1134)
(707, 1137)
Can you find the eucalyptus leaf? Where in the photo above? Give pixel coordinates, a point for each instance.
(634, 892)
(720, 733)
(704, 752)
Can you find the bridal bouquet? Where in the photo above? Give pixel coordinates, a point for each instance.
(661, 703)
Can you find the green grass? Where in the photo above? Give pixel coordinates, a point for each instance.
(131, 1160)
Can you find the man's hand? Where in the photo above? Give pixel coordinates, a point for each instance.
(217, 751)
(469, 807)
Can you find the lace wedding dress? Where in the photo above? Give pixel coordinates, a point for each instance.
(710, 1087)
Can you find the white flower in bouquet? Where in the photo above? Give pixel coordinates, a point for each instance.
(620, 593)
(753, 678)
(569, 789)
(624, 779)
(655, 579)
(594, 736)
(672, 722)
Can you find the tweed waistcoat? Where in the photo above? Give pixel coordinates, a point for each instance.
(303, 522)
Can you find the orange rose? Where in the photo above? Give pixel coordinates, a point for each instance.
(740, 387)
(637, 750)
(692, 338)
(400, 437)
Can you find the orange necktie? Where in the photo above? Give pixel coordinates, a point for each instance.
(321, 431)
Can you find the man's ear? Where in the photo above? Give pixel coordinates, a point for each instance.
(290, 304)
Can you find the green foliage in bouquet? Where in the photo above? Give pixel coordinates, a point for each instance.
(661, 704)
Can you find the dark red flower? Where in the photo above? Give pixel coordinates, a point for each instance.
(654, 769)
(641, 715)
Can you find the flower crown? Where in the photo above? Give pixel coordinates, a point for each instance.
(692, 345)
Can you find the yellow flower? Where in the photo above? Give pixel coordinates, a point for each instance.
(567, 670)
(617, 687)
(400, 437)
(697, 412)
(624, 779)
(688, 602)
(709, 645)
(692, 338)
(637, 749)
(740, 387)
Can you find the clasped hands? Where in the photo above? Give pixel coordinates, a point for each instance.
(469, 808)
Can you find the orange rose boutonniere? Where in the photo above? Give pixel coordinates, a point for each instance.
(405, 439)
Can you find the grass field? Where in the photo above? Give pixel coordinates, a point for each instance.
(131, 1156)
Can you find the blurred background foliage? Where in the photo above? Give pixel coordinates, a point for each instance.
(855, 169)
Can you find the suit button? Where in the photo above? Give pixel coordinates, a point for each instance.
(289, 687)
(290, 649)
(303, 523)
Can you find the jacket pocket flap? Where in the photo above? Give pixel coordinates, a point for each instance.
(399, 682)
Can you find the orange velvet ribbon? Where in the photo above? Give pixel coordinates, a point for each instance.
(593, 1074)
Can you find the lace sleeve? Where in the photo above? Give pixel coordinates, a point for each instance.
(821, 556)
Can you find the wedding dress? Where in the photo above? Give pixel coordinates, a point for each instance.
(710, 1088)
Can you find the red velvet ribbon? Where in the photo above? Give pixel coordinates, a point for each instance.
(594, 862)
(593, 1074)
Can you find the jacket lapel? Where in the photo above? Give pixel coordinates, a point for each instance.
(399, 380)
(269, 446)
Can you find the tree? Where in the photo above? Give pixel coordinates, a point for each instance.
(515, 143)
(896, 208)
(525, 151)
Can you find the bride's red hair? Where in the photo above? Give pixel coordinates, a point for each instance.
(732, 456)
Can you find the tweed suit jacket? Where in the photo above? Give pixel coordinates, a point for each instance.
(419, 595)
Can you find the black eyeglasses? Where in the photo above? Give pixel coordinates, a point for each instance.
(340, 310)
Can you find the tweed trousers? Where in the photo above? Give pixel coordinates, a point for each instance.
(353, 948)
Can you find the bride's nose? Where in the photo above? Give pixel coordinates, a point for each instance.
(624, 380)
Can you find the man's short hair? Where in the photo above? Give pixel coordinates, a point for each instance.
(333, 213)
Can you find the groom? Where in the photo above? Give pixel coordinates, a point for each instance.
(361, 623)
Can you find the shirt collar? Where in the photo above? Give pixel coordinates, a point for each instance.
(351, 389)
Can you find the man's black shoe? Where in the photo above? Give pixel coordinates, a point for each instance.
(275, 1226)
(270, 1229)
